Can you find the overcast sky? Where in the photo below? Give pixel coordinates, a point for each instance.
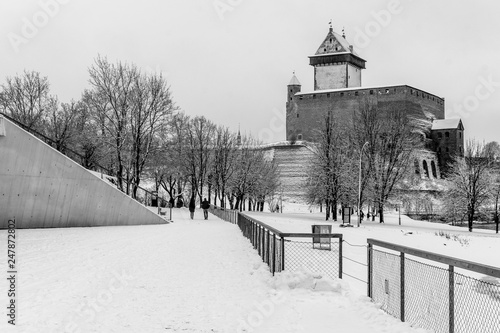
(230, 60)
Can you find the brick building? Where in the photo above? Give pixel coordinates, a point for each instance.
(338, 88)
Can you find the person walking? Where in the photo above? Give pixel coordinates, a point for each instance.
(205, 205)
(192, 207)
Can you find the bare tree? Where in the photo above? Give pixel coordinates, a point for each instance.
(492, 150)
(151, 109)
(470, 179)
(255, 176)
(393, 139)
(199, 153)
(224, 162)
(111, 97)
(25, 98)
(327, 182)
(61, 123)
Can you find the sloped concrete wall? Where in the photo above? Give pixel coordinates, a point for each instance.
(42, 188)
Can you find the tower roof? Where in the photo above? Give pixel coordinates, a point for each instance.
(334, 43)
(294, 81)
(335, 48)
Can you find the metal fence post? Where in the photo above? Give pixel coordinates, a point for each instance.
(262, 243)
(274, 253)
(282, 253)
(370, 267)
(340, 257)
(402, 286)
(451, 278)
(259, 236)
(254, 233)
(267, 250)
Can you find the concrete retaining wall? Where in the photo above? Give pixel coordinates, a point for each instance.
(42, 188)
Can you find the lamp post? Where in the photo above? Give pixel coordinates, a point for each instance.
(359, 188)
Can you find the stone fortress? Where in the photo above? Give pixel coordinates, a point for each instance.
(338, 88)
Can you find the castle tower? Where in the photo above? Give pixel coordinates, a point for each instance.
(291, 104)
(336, 65)
(292, 88)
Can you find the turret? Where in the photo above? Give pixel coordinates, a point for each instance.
(336, 64)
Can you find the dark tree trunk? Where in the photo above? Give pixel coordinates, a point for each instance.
(381, 213)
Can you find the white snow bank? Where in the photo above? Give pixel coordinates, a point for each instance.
(303, 279)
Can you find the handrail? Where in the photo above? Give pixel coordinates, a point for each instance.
(452, 261)
(53, 142)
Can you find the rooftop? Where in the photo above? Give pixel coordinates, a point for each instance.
(440, 124)
(362, 88)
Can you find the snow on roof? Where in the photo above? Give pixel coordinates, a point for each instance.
(294, 81)
(361, 88)
(327, 54)
(439, 124)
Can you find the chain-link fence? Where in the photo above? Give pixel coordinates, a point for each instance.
(289, 250)
(300, 254)
(433, 296)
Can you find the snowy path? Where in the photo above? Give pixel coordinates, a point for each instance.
(188, 276)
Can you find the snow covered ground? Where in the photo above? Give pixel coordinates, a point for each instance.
(481, 246)
(187, 276)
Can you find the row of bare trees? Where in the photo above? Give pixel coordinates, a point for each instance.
(127, 123)
(391, 143)
(206, 160)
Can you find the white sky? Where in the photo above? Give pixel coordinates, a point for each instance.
(233, 66)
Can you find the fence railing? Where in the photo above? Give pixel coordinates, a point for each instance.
(228, 215)
(290, 251)
(433, 296)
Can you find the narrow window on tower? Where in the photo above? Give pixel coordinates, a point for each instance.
(297, 115)
(446, 134)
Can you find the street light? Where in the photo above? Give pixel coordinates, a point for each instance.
(359, 188)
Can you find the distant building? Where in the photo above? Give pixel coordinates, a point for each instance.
(338, 88)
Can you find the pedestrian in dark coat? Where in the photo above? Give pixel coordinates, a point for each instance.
(205, 205)
(192, 207)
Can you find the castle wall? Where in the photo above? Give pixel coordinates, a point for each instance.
(306, 112)
(293, 163)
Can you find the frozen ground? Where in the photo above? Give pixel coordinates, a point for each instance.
(188, 276)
